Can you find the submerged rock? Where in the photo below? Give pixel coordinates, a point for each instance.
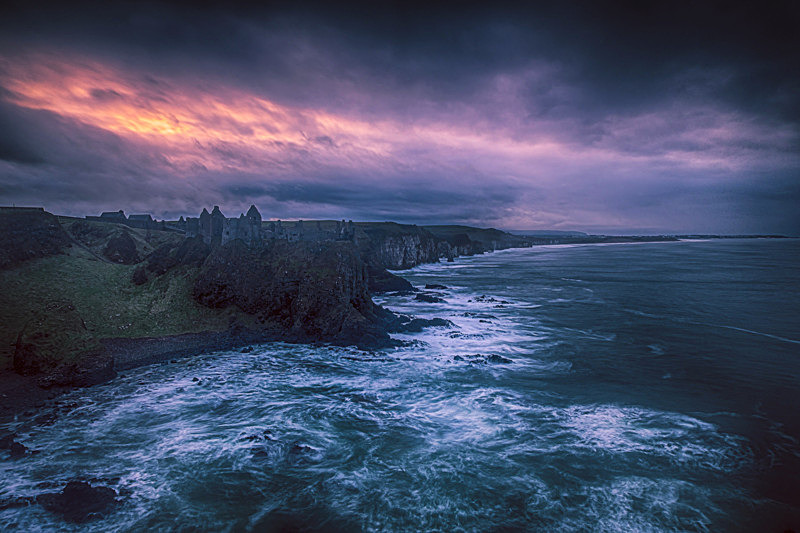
(79, 501)
(416, 325)
(435, 286)
(428, 298)
(402, 293)
(265, 435)
(6, 440)
(480, 359)
(17, 450)
(12, 503)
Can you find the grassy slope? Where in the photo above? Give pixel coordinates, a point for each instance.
(102, 293)
(98, 234)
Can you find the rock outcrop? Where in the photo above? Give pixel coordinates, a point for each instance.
(79, 501)
(56, 346)
(315, 291)
(28, 234)
(122, 249)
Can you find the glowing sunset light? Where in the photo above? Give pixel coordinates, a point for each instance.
(309, 123)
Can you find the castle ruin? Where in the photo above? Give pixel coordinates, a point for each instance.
(215, 228)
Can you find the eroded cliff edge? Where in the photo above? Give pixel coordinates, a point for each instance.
(82, 298)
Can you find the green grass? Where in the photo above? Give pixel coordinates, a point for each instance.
(105, 298)
(95, 235)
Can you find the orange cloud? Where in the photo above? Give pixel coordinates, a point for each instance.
(206, 124)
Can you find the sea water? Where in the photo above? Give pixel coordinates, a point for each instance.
(634, 387)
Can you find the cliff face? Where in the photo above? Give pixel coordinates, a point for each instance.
(314, 291)
(396, 246)
(399, 246)
(64, 300)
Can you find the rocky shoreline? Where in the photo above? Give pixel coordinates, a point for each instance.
(23, 395)
(83, 299)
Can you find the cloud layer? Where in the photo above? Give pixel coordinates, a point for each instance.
(647, 120)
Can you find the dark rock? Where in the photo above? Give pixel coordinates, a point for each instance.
(435, 286)
(161, 260)
(79, 501)
(418, 324)
(55, 345)
(13, 503)
(192, 252)
(299, 448)
(6, 441)
(195, 379)
(247, 349)
(498, 359)
(122, 249)
(46, 419)
(139, 276)
(29, 233)
(300, 453)
(265, 435)
(314, 291)
(428, 298)
(480, 315)
(381, 280)
(458, 358)
(402, 293)
(17, 450)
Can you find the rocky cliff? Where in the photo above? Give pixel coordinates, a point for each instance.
(314, 291)
(399, 246)
(388, 245)
(69, 288)
(73, 290)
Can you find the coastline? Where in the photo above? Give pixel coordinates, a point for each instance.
(23, 395)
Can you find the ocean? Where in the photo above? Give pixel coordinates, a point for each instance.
(620, 387)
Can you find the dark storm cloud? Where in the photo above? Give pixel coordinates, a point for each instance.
(621, 57)
(640, 115)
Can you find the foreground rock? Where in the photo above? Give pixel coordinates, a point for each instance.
(79, 501)
(55, 345)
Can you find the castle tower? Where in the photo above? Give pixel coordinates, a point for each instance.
(217, 224)
(254, 225)
(204, 226)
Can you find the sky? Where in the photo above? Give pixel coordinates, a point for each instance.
(662, 117)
